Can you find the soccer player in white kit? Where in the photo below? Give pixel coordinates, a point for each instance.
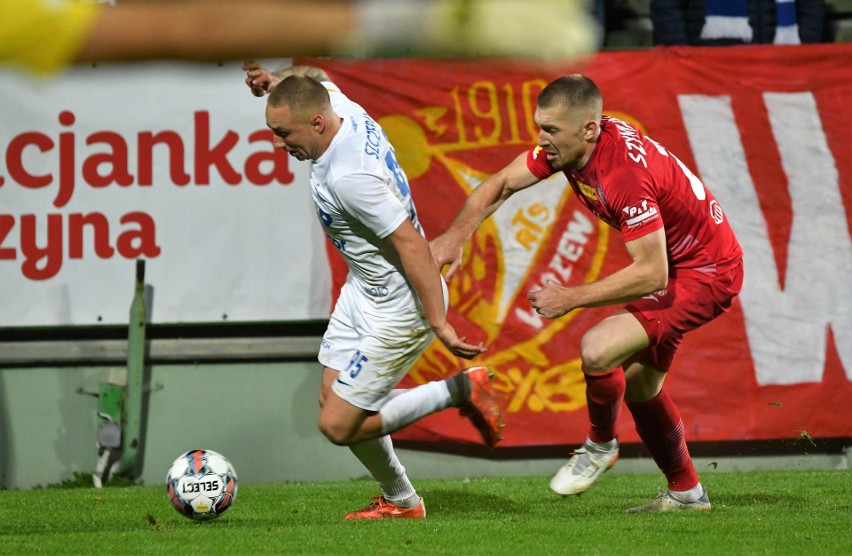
(394, 300)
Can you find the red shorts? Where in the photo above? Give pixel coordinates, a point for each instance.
(690, 300)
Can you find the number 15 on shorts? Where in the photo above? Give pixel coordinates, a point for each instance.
(355, 364)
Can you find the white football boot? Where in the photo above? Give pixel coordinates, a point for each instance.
(583, 469)
(665, 502)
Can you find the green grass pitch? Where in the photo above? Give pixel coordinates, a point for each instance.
(773, 512)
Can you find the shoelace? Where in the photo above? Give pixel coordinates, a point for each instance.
(583, 463)
(377, 502)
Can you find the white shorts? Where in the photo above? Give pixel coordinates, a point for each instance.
(372, 349)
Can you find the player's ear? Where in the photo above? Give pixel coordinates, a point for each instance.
(590, 130)
(318, 123)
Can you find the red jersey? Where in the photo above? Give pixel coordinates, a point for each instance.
(634, 184)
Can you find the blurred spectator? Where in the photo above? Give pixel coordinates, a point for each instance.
(627, 23)
(598, 10)
(729, 22)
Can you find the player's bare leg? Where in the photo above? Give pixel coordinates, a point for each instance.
(337, 419)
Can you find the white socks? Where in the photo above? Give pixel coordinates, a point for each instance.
(378, 457)
(600, 448)
(401, 408)
(687, 496)
(413, 404)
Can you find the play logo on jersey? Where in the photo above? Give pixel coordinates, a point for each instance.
(640, 213)
(588, 191)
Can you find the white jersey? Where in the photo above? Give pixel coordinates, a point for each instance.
(361, 196)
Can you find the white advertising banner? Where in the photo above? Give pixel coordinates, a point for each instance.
(167, 162)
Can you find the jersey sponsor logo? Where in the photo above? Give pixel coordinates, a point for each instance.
(374, 291)
(588, 191)
(328, 221)
(640, 212)
(716, 212)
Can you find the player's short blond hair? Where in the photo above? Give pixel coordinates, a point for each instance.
(301, 94)
(575, 92)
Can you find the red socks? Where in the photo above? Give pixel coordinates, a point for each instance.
(604, 394)
(661, 429)
(657, 422)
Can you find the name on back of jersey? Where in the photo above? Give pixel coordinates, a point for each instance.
(374, 138)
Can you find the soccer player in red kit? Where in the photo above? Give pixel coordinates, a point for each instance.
(686, 270)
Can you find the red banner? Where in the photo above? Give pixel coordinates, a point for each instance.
(767, 130)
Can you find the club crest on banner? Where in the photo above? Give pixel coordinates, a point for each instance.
(538, 235)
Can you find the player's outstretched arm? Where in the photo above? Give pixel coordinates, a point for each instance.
(482, 203)
(260, 80)
(529, 29)
(422, 272)
(182, 29)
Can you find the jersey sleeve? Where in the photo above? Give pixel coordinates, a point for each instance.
(634, 203)
(369, 199)
(537, 163)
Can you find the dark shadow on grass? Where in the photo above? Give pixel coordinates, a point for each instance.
(470, 505)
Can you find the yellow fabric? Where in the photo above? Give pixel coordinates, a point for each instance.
(44, 35)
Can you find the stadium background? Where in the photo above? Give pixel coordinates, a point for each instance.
(240, 279)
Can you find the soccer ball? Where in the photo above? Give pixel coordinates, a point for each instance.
(201, 484)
